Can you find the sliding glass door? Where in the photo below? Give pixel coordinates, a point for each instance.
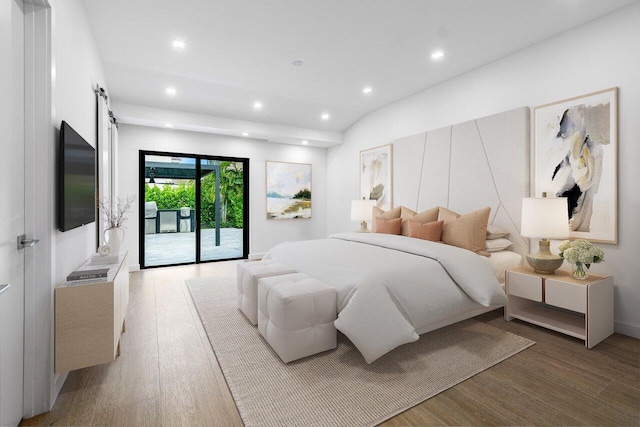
(194, 208)
(221, 210)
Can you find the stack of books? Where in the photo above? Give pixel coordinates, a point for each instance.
(104, 260)
(97, 273)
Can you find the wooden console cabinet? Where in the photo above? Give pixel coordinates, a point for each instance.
(90, 317)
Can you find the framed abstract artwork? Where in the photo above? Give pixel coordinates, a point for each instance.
(576, 156)
(376, 175)
(288, 190)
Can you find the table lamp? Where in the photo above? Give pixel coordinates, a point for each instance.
(545, 218)
(362, 210)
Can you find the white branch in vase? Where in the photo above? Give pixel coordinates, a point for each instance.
(114, 214)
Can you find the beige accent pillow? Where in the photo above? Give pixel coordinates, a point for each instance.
(379, 213)
(467, 231)
(425, 231)
(445, 214)
(430, 215)
(387, 226)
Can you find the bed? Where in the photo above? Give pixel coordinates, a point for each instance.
(392, 288)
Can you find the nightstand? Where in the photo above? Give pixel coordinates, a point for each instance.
(579, 308)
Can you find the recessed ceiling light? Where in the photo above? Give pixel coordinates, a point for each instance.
(438, 54)
(297, 63)
(257, 105)
(171, 91)
(325, 116)
(305, 142)
(179, 44)
(168, 125)
(367, 90)
(245, 134)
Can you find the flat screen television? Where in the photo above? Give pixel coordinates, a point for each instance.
(77, 180)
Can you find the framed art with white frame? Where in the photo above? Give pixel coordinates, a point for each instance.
(576, 156)
(376, 176)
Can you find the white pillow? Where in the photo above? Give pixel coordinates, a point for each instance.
(374, 332)
(496, 245)
(494, 232)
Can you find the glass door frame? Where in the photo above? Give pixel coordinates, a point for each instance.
(198, 170)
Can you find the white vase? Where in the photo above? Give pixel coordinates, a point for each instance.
(113, 238)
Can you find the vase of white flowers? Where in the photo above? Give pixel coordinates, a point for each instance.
(581, 253)
(114, 216)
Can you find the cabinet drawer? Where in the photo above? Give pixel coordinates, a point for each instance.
(525, 286)
(566, 295)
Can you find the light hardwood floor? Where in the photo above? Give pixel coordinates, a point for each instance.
(168, 375)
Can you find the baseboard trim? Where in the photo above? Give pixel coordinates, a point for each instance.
(58, 381)
(627, 329)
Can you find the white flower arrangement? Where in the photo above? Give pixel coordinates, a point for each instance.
(114, 215)
(580, 251)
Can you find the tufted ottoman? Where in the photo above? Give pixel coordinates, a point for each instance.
(296, 315)
(248, 274)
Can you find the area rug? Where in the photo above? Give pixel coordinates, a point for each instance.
(338, 388)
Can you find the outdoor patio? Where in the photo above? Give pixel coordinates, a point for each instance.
(177, 248)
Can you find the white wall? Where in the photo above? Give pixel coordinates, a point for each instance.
(77, 68)
(596, 56)
(263, 233)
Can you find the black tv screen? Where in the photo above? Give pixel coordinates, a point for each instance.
(77, 187)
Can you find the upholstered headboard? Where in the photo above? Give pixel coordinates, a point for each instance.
(468, 166)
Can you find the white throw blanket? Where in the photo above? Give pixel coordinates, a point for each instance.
(390, 288)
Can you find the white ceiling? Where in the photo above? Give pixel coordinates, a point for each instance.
(240, 51)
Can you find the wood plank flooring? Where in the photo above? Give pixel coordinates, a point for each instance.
(167, 374)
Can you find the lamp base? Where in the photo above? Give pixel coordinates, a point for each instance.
(363, 228)
(544, 261)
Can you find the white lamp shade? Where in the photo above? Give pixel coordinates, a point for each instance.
(545, 218)
(362, 210)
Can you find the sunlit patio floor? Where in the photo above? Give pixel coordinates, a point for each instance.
(177, 248)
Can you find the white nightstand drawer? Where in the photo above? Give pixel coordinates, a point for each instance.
(566, 295)
(525, 286)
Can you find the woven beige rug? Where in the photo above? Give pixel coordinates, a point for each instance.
(338, 388)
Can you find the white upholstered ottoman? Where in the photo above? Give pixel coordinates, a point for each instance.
(296, 315)
(248, 274)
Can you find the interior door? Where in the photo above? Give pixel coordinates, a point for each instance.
(12, 203)
(104, 163)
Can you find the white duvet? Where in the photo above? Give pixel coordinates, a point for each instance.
(392, 288)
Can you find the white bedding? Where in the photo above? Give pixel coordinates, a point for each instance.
(501, 261)
(392, 288)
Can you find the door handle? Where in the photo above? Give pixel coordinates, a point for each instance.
(4, 288)
(24, 243)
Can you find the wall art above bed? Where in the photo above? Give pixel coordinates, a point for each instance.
(576, 157)
(288, 190)
(376, 175)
